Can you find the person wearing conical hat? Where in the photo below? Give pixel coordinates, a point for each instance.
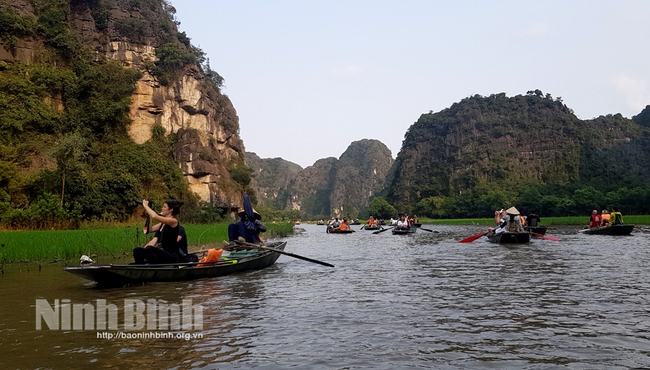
(240, 230)
(510, 221)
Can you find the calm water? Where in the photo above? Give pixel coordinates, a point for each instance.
(392, 302)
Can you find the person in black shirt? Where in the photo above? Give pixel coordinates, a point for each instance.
(164, 247)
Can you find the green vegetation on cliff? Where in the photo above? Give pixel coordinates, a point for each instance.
(487, 153)
(65, 155)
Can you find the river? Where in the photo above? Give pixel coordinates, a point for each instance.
(392, 302)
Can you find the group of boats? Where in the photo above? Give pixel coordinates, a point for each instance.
(245, 257)
(540, 232)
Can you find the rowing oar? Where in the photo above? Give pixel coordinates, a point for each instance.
(429, 230)
(473, 237)
(382, 230)
(285, 253)
(547, 237)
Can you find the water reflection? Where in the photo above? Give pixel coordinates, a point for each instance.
(421, 300)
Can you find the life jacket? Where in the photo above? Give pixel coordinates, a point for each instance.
(213, 256)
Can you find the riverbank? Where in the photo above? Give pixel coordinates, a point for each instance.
(103, 244)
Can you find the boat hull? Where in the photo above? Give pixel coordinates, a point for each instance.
(537, 229)
(612, 230)
(368, 227)
(411, 230)
(510, 238)
(338, 231)
(122, 275)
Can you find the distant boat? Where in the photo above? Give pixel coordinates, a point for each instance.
(371, 227)
(610, 230)
(297, 223)
(336, 230)
(320, 223)
(410, 230)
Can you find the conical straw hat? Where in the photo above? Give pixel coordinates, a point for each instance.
(512, 211)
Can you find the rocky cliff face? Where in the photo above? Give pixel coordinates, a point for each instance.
(185, 104)
(332, 187)
(270, 177)
(498, 141)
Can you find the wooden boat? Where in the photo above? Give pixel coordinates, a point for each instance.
(371, 227)
(536, 229)
(611, 230)
(122, 275)
(510, 238)
(410, 230)
(320, 223)
(334, 230)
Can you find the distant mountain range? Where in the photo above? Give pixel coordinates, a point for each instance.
(481, 145)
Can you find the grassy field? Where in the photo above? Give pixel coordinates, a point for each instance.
(104, 243)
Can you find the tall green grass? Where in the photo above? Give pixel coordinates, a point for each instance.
(106, 243)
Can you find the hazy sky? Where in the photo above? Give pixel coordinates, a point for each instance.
(309, 77)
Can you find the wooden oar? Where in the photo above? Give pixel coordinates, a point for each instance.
(547, 237)
(429, 230)
(382, 230)
(286, 253)
(473, 237)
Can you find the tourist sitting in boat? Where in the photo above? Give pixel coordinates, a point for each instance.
(344, 225)
(371, 222)
(402, 223)
(335, 223)
(605, 217)
(533, 219)
(164, 246)
(509, 222)
(615, 218)
(499, 215)
(595, 220)
(249, 230)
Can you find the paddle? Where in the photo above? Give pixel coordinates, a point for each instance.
(547, 237)
(429, 230)
(473, 237)
(362, 227)
(382, 230)
(285, 253)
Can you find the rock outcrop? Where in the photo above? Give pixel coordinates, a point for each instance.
(186, 103)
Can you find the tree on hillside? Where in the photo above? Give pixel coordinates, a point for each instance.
(68, 151)
(380, 208)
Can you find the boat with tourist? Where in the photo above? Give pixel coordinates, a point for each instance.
(610, 230)
(507, 237)
(410, 230)
(244, 258)
(336, 230)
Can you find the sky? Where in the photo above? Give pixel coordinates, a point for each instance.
(309, 77)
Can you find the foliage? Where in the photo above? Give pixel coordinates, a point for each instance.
(380, 208)
(643, 118)
(76, 103)
(487, 153)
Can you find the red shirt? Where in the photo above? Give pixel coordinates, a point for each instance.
(595, 220)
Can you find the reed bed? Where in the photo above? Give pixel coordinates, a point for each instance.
(104, 243)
